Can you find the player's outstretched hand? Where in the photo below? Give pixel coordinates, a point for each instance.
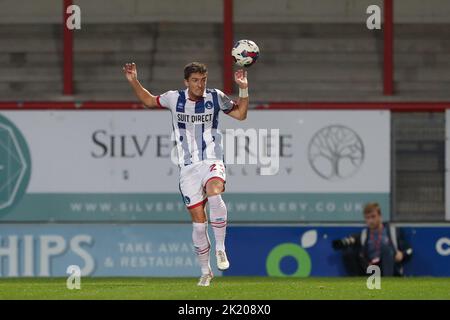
(240, 77)
(130, 71)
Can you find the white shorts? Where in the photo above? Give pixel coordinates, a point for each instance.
(193, 179)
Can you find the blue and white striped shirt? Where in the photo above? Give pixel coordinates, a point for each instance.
(195, 123)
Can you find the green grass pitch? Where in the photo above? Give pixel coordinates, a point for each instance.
(251, 288)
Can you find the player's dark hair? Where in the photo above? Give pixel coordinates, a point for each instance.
(194, 67)
(372, 206)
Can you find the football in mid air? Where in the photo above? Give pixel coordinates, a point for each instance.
(245, 53)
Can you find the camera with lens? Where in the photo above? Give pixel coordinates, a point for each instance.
(343, 243)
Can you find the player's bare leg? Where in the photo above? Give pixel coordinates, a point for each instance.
(218, 216)
(201, 243)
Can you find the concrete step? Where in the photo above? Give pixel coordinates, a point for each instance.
(425, 30)
(324, 85)
(82, 45)
(9, 74)
(123, 44)
(107, 30)
(26, 87)
(32, 29)
(306, 72)
(177, 44)
(23, 59)
(8, 44)
(81, 59)
(422, 74)
(421, 61)
(309, 30)
(202, 30)
(257, 97)
(155, 87)
(278, 89)
(422, 45)
(427, 86)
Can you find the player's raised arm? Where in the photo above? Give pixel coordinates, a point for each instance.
(146, 97)
(240, 110)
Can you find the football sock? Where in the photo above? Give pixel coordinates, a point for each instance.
(218, 218)
(202, 245)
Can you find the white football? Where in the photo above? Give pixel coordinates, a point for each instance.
(245, 53)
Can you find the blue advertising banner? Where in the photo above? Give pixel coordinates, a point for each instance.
(99, 250)
(165, 250)
(285, 251)
(307, 251)
(431, 247)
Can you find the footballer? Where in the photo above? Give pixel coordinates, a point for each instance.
(195, 118)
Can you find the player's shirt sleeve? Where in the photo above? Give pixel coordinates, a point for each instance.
(225, 103)
(165, 100)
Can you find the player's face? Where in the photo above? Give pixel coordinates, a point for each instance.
(196, 84)
(373, 219)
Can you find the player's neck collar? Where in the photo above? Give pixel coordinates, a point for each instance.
(189, 98)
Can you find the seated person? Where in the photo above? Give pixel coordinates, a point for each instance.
(377, 244)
